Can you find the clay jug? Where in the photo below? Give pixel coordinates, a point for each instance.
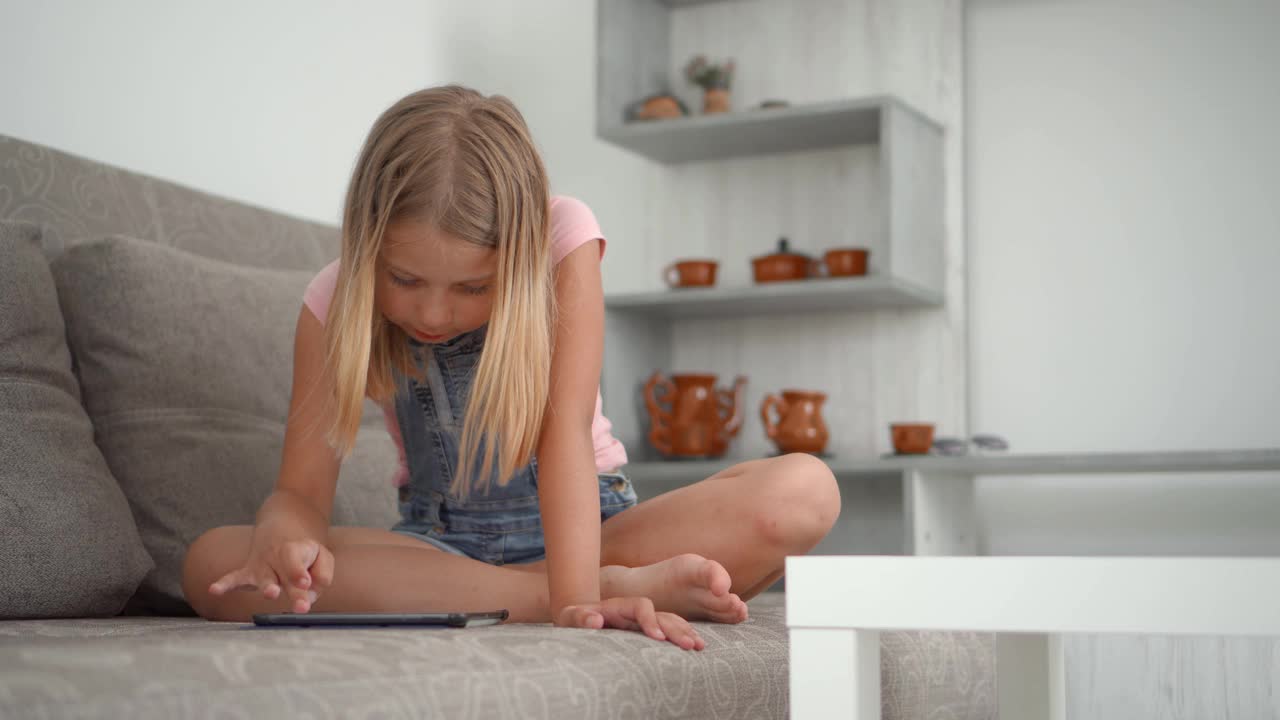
(800, 427)
(699, 420)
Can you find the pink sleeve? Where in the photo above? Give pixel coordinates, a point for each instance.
(319, 292)
(572, 225)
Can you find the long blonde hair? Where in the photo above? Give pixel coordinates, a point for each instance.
(465, 164)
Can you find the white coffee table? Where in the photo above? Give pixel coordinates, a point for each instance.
(838, 605)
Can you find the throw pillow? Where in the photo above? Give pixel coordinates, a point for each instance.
(68, 544)
(185, 364)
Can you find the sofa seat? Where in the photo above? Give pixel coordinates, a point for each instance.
(142, 667)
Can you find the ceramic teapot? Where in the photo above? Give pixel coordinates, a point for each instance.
(800, 427)
(700, 419)
(781, 265)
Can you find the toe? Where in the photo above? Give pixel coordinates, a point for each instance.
(718, 580)
(716, 603)
(729, 618)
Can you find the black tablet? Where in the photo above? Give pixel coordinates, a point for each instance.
(329, 619)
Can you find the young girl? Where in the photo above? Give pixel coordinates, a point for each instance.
(467, 301)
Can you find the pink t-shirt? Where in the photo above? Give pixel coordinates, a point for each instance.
(572, 225)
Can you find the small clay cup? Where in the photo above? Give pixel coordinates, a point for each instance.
(845, 262)
(690, 273)
(912, 438)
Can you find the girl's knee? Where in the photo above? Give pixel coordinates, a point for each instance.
(801, 503)
(216, 552)
(811, 481)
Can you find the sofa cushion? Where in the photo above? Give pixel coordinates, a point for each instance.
(68, 545)
(185, 365)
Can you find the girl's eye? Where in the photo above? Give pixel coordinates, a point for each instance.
(406, 282)
(475, 290)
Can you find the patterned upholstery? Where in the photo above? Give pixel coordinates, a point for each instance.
(176, 667)
(77, 199)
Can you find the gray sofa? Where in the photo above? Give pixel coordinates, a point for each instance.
(145, 339)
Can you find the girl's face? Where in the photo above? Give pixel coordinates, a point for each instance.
(432, 285)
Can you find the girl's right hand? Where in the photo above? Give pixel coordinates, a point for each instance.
(632, 613)
(300, 567)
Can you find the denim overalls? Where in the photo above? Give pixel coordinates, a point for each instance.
(500, 527)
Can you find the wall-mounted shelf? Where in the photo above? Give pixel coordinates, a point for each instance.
(1170, 461)
(894, 206)
(757, 132)
(689, 3)
(777, 298)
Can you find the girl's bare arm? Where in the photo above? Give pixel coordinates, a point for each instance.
(303, 497)
(568, 491)
(288, 553)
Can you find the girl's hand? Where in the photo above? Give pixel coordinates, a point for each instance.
(302, 568)
(632, 613)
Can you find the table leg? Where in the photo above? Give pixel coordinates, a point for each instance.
(941, 518)
(835, 673)
(1030, 679)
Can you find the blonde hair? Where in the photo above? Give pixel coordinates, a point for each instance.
(465, 164)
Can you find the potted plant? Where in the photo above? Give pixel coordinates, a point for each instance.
(714, 79)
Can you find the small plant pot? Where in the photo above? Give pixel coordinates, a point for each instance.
(715, 100)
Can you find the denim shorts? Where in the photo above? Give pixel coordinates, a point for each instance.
(499, 531)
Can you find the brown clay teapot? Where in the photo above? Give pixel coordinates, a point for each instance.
(701, 418)
(800, 427)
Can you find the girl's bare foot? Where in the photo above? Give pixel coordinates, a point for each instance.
(689, 585)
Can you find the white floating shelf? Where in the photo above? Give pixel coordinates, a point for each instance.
(777, 298)
(1188, 461)
(757, 131)
(689, 3)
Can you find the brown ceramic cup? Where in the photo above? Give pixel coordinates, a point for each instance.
(690, 273)
(845, 262)
(912, 438)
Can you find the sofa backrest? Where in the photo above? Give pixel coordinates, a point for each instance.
(75, 199)
(199, 444)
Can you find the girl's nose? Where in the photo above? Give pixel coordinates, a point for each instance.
(435, 313)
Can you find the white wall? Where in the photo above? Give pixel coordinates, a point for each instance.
(542, 56)
(1124, 234)
(262, 102)
(1121, 170)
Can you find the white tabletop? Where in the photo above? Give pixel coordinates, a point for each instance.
(1142, 595)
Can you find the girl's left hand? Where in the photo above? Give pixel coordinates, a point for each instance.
(632, 613)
